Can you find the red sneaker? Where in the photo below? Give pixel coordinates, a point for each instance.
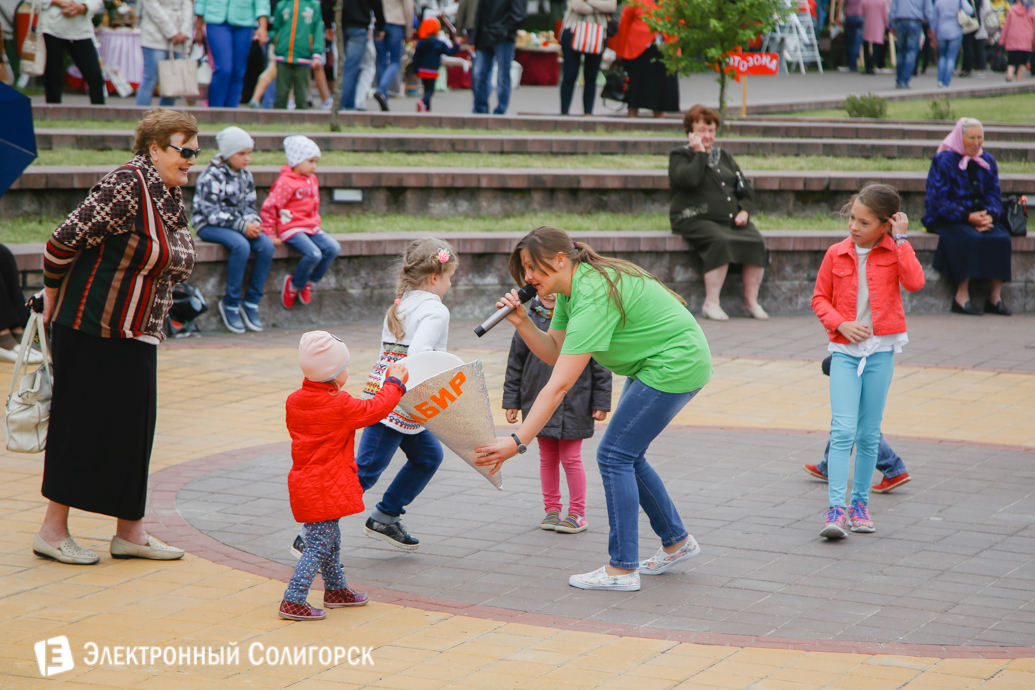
(291, 611)
(306, 293)
(421, 108)
(288, 294)
(340, 598)
(887, 484)
(814, 471)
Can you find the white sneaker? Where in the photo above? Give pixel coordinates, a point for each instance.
(661, 561)
(326, 105)
(599, 579)
(34, 356)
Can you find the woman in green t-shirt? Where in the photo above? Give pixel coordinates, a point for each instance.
(620, 315)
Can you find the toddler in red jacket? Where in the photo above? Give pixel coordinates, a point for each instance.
(322, 483)
(291, 215)
(857, 298)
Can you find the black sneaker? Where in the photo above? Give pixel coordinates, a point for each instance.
(298, 547)
(395, 534)
(382, 100)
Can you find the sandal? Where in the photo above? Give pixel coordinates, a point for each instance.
(714, 313)
(757, 312)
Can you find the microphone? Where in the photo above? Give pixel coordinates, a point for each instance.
(524, 294)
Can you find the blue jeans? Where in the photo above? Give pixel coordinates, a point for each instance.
(355, 46)
(230, 46)
(318, 251)
(821, 15)
(853, 40)
(502, 55)
(629, 481)
(240, 248)
(377, 446)
(149, 81)
(322, 554)
(888, 461)
(947, 51)
(907, 47)
(857, 404)
(389, 56)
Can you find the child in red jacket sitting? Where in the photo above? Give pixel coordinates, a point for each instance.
(291, 216)
(322, 484)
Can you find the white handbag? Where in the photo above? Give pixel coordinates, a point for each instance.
(178, 76)
(204, 74)
(34, 50)
(28, 402)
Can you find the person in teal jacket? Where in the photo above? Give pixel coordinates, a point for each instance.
(298, 45)
(229, 26)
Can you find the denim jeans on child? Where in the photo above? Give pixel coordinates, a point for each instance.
(322, 553)
(948, 50)
(502, 55)
(389, 56)
(377, 446)
(853, 40)
(888, 461)
(241, 248)
(907, 47)
(318, 251)
(629, 481)
(857, 403)
(150, 78)
(230, 46)
(355, 45)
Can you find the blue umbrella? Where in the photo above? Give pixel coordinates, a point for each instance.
(17, 136)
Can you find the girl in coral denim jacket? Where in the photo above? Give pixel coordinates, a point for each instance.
(857, 298)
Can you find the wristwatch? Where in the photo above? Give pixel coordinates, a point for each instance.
(521, 447)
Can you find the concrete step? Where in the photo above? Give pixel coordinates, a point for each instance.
(100, 139)
(445, 192)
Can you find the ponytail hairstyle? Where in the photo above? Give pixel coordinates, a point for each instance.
(421, 260)
(544, 243)
(881, 199)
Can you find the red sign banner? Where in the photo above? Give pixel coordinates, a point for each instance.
(760, 64)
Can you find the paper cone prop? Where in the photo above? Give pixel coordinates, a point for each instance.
(454, 406)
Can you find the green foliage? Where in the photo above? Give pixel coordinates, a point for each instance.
(939, 109)
(869, 106)
(703, 32)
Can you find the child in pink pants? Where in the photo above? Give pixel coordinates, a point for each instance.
(560, 441)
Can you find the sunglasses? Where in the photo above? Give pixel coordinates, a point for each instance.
(186, 152)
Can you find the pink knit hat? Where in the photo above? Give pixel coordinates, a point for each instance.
(322, 356)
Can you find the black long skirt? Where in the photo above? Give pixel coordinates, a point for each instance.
(964, 253)
(722, 243)
(102, 423)
(650, 85)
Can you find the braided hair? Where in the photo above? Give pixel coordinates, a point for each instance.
(421, 260)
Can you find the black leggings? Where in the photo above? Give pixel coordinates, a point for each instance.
(873, 53)
(13, 313)
(84, 55)
(973, 53)
(572, 60)
(429, 91)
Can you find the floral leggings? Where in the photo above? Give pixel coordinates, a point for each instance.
(322, 553)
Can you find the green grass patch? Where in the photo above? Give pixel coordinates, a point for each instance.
(69, 156)
(23, 230)
(309, 128)
(1019, 108)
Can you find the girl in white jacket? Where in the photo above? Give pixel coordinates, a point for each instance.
(164, 24)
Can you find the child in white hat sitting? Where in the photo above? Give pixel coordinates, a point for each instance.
(291, 216)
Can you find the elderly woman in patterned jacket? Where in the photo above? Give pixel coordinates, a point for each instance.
(226, 212)
(108, 274)
(711, 207)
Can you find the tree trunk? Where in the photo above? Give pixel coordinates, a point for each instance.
(723, 82)
(339, 41)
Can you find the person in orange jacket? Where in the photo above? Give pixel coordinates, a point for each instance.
(650, 84)
(323, 483)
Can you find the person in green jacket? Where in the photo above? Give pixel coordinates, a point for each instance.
(229, 28)
(298, 45)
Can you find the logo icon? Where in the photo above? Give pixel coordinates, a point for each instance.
(54, 656)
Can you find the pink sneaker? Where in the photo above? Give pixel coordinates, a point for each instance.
(573, 524)
(661, 561)
(835, 524)
(860, 518)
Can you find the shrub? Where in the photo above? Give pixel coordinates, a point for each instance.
(938, 109)
(870, 105)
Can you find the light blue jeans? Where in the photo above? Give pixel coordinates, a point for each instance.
(888, 461)
(502, 55)
(629, 481)
(318, 252)
(389, 56)
(948, 49)
(857, 406)
(355, 45)
(149, 81)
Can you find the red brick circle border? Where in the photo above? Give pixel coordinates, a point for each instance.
(164, 521)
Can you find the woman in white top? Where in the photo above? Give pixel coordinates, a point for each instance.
(164, 25)
(66, 25)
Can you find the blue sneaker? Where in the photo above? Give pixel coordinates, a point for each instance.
(231, 317)
(250, 314)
